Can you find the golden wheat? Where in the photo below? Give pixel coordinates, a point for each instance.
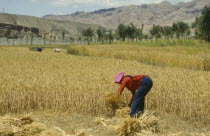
(184, 57)
(38, 81)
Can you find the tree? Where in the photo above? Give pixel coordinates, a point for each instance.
(71, 39)
(181, 29)
(156, 31)
(188, 33)
(167, 32)
(8, 33)
(202, 24)
(88, 34)
(175, 30)
(101, 32)
(139, 33)
(146, 36)
(63, 35)
(26, 38)
(44, 37)
(110, 36)
(79, 39)
(121, 31)
(51, 38)
(54, 38)
(131, 31)
(32, 38)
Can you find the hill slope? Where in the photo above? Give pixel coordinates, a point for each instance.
(45, 25)
(163, 13)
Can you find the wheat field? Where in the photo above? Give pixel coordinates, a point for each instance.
(194, 58)
(45, 80)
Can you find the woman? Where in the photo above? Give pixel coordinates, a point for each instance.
(139, 85)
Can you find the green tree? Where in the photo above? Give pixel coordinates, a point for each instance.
(175, 28)
(180, 29)
(110, 36)
(79, 39)
(167, 32)
(71, 39)
(50, 39)
(101, 32)
(202, 24)
(139, 33)
(63, 36)
(131, 32)
(156, 31)
(183, 28)
(145, 36)
(44, 37)
(32, 38)
(188, 33)
(54, 38)
(121, 31)
(88, 34)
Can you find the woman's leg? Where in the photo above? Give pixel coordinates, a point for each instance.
(138, 100)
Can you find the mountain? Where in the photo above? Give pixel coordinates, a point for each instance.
(45, 25)
(163, 13)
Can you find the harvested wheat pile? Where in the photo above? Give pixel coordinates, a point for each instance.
(25, 126)
(52, 133)
(9, 125)
(132, 126)
(31, 129)
(205, 133)
(114, 101)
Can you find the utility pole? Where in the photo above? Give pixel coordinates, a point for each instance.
(3, 10)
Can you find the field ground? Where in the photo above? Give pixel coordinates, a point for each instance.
(65, 94)
(74, 124)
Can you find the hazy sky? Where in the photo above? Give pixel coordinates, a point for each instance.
(40, 8)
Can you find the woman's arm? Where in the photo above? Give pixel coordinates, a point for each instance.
(121, 88)
(133, 93)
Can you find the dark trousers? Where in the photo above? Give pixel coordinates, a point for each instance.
(138, 100)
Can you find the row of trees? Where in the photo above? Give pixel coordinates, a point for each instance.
(102, 35)
(131, 32)
(123, 32)
(178, 30)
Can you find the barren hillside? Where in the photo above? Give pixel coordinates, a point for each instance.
(45, 25)
(163, 13)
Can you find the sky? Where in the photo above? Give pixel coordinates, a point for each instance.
(41, 8)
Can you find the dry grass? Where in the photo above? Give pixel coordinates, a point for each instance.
(185, 57)
(61, 82)
(131, 126)
(124, 125)
(27, 126)
(24, 126)
(123, 112)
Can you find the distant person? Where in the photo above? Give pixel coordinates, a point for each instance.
(57, 50)
(38, 49)
(139, 85)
